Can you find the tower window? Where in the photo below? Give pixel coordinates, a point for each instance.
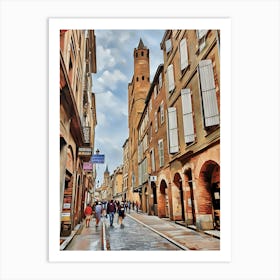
(142, 53)
(137, 79)
(136, 54)
(143, 78)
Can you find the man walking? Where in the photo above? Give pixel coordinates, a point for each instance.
(111, 210)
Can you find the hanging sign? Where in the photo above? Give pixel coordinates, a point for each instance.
(97, 158)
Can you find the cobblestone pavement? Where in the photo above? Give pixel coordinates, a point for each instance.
(135, 236)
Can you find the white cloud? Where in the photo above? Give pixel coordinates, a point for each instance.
(110, 103)
(111, 79)
(105, 58)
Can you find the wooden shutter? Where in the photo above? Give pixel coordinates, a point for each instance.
(208, 92)
(183, 54)
(168, 45)
(153, 159)
(170, 76)
(187, 115)
(173, 130)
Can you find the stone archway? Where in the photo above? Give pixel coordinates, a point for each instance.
(209, 195)
(178, 198)
(163, 200)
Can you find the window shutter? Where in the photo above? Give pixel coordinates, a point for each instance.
(183, 54)
(160, 81)
(201, 33)
(173, 130)
(170, 76)
(168, 45)
(208, 91)
(161, 113)
(160, 152)
(153, 159)
(187, 115)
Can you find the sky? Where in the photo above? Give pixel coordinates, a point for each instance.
(114, 55)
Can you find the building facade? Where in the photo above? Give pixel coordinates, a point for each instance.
(174, 129)
(192, 70)
(137, 93)
(77, 124)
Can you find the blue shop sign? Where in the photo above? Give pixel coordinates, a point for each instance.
(97, 158)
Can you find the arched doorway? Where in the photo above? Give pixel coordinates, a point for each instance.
(209, 182)
(154, 197)
(190, 196)
(180, 202)
(163, 201)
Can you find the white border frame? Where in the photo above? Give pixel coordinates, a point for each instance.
(224, 254)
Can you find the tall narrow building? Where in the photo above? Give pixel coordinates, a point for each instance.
(137, 92)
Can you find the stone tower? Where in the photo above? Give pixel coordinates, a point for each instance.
(106, 177)
(137, 93)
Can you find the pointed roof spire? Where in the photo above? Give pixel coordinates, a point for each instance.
(141, 44)
(106, 171)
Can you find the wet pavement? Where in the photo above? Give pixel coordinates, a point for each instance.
(141, 232)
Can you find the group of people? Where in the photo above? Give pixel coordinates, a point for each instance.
(109, 208)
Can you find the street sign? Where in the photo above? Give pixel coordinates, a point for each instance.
(97, 158)
(153, 178)
(87, 166)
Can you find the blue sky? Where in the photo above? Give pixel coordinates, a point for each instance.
(114, 71)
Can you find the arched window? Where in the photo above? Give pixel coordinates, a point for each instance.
(137, 79)
(142, 53)
(136, 54)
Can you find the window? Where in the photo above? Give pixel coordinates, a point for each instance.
(168, 45)
(208, 92)
(161, 113)
(201, 36)
(172, 130)
(183, 54)
(187, 115)
(152, 155)
(137, 79)
(143, 78)
(136, 54)
(142, 53)
(170, 78)
(161, 152)
(160, 81)
(155, 91)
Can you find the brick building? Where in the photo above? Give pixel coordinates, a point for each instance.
(77, 124)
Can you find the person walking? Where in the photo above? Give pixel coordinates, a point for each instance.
(88, 213)
(137, 206)
(129, 206)
(121, 214)
(98, 210)
(111, 210)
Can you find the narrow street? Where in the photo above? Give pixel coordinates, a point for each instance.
(140, 233)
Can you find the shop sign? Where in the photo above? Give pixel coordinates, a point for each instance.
(85, 151)
(97, 158)
(153, 178)
(65, 217)
(67, 205)
(87, 166)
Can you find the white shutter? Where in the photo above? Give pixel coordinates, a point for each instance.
(160, 152)
(187, 115)
(153, 159)
(168, 45)
(170, 76)
(183, 54)
(201, 33)
(173, 130)
(160, 81)
(161, 113)
(208, 91)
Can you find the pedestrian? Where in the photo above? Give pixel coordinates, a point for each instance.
(125, 205)
(121, 214)
(88, 213)
(111, 210)
(137, 206)
(104, 207)
(133, 205)
(129, 206)
(98, 210)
